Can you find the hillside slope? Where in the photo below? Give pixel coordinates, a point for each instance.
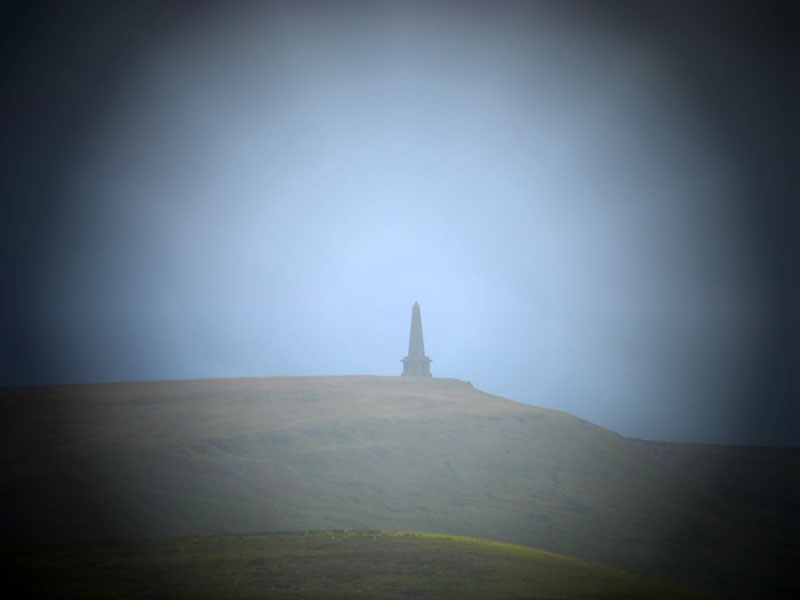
(762, 478)
(328, 564)
(279, 454)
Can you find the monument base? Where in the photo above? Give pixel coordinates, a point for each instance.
(417, 367)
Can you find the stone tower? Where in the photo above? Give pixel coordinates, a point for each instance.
(416, 363)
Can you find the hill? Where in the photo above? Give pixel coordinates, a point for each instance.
(764, 478)
(158, 459)
(331, 564)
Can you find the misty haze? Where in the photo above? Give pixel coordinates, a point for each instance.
(508, 287)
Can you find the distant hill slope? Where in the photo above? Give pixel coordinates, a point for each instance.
(330, 564)
(763, 478)
(243, 455)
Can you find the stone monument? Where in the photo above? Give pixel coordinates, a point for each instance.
(416, 363)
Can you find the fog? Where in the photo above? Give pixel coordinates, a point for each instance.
(590, 203)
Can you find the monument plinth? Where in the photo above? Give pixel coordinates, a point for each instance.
(416, 363)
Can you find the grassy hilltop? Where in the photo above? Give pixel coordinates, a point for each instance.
(159, 459)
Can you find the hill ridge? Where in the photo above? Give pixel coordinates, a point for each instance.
(329, 564)
(366, 452)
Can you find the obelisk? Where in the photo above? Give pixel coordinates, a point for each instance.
(416, 363)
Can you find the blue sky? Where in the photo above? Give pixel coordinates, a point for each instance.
(266, 190)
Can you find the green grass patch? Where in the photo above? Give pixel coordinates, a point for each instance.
(329, 564)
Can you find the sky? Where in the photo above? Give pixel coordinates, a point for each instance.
(592, 202)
